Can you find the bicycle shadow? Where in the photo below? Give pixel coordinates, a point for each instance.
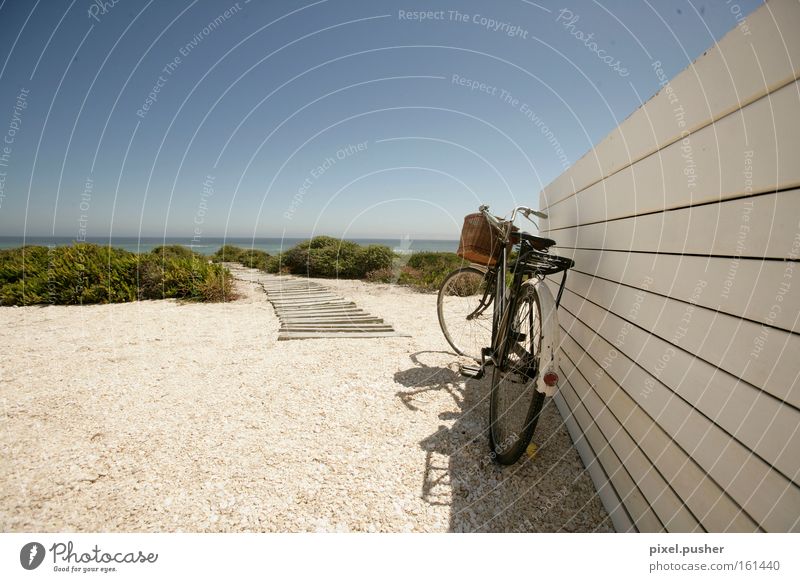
(534, 495)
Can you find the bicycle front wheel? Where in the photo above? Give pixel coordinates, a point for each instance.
(515, 403)
(465, 308)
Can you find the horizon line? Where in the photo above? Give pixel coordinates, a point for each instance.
(190, 238)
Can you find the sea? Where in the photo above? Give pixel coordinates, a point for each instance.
(208, 246)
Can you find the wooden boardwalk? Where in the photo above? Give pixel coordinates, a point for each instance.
(307, 309)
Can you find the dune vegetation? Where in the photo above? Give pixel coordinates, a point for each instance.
(86, 273)
(329, 257)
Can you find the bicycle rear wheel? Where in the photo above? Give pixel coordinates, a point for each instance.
(515, 403)
(465, 306)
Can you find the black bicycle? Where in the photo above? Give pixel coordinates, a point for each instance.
(500, 312)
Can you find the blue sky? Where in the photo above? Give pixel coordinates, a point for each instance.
(348, 118)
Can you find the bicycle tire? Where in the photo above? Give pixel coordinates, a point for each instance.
(460, 294)
(515, 403)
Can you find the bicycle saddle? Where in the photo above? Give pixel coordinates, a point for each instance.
(537, 242)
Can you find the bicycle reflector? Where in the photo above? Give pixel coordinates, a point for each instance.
(550, 378)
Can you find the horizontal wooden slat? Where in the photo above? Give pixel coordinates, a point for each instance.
(310, 310)
(716, 156)
(699, 491)
(336, 335)
(757, 226)
(765, 494)
(762, 423)
(752, 292)
(737, 70)
(722, 340)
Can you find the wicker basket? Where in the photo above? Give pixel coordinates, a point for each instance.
(480, 243)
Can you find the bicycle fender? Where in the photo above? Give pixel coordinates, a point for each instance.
(551, 338)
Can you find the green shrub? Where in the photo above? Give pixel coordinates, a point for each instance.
(427, 270)
(88, 273)
(229, 253)
(174, 252)
(325, 256)
(253, 258)
(374, 258)
(275, 264)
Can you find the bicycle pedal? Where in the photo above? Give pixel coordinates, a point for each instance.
(475, 372)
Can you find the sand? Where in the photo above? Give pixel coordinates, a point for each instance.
(160, 416)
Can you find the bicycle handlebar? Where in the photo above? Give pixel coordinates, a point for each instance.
(505, 226)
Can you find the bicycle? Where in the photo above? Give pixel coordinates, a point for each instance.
(499, 312)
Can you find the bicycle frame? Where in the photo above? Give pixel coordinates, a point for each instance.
(532, 263)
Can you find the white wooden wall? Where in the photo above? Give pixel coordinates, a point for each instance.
(680, 355)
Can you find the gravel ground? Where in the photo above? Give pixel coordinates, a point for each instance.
(161, 416)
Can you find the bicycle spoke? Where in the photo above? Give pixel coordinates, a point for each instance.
(464, 293)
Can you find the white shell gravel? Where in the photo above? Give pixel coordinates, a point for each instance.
(160, 416)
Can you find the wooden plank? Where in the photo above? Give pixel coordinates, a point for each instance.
(315, 307)
(313, 311)
(737, 70)
(285, 297)
(752, 292)
(768, 497)
(350, 314)
(306, 306)
(336, 326)
(307, 302)
(707, 500)
(320, 313)
(299, 291)
(762, 423)
(758, 226)
(370, 319)
(292, 288)
(717, 159)
(337, 335)
(320, 310)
